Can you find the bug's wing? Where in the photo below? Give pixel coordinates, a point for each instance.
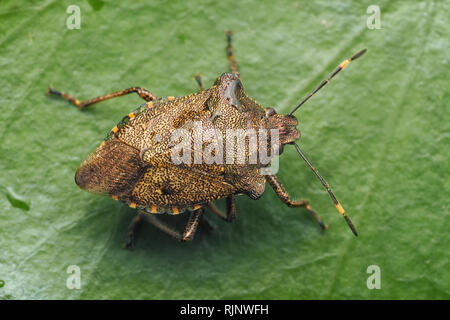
(113, 168)
(179, 185)
(152, 128)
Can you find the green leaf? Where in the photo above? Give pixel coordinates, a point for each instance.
(378, 133)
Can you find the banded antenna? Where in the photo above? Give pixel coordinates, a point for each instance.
(324, 82)
(327, 187)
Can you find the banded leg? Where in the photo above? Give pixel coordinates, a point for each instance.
(129, 243)
(192, 225)
(233, 62)
(188, 233)
(231, 210)
(143, 93)
(284, 196)
(198, 79)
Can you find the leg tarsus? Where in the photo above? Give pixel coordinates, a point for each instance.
(65, 96)
(284, 196)
(315, 216)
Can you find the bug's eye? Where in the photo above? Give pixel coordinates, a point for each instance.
(270, 112)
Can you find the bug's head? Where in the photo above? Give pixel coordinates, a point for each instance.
(231, 93)
(286, 126)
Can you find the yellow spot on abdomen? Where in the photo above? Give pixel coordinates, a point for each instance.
(153, 210)
(175, 210)
(197, 206)
(133, 205)
(131, 115)
(115, 197)
(149, 104)
(115, 129)
(171, 98)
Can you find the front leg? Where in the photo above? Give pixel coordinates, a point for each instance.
(284, 196)
(198, 79)
(143, 93)
(231, 210)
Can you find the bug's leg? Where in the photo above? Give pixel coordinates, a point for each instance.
(231, 210)
(162, 226)
(143, 93)
(189, 232)
(233, 62)
(129, 243)
(192, 225)
(198, 79)
(204, 220)
(284, 196)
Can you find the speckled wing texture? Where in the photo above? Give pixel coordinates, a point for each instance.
(135, 163)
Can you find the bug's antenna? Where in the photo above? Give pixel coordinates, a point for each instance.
(324, 82)
(324, 183)
(233, 62)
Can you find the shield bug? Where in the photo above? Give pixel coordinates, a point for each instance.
(167, 157)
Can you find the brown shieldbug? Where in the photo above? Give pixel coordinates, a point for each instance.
(135, 163)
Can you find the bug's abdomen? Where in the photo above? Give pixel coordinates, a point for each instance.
(114, 169)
